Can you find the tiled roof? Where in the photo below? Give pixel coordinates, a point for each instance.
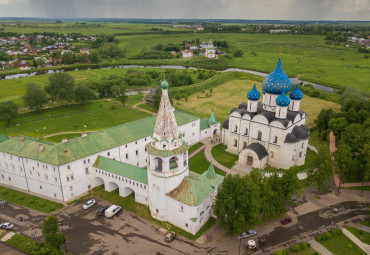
(122, 169)
(63, 153)
(195, 188)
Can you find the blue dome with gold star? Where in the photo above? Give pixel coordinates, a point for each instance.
(253, 94)
(296, 94)
(275, 82)
(283, 100)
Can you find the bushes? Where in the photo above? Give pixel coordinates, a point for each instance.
(328, 235)
(300, 247)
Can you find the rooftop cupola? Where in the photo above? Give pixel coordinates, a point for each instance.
(276, 81)
(296, 95)
(212, 118)
(282, 103)
(253, 97)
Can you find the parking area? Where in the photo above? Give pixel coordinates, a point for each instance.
(88, 233)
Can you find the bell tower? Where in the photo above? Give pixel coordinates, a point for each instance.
(168, 157)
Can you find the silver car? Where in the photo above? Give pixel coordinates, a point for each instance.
(249, 233)
(6, 225)
(88, 204)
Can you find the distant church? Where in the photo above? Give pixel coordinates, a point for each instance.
(271, 132)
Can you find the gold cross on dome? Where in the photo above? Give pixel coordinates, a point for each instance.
(281, 50)
(164, 73)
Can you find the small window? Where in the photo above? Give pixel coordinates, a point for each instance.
(84, 161)
(72, 177)
(157, 210)
(86, 171)
(68, 167)
(302, 145)
(236, 129)
(259, 137)
(10, 179)
(246, 131)
(126, 146)
(300, 154)
(70, 188)
(137, 152)
(145, 139)
(235, 143)
(40, 187)
(275, 139)
(186, 225)
(88, 160)
(56, 179)
(136, 142)
(67, 179)
(164, 146)
(108, 154)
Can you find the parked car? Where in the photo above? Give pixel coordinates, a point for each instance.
(170, 236)
(6, 225)
(102, 210)
(88, 204)
(249, 233)
(286, 220)
(112, 210)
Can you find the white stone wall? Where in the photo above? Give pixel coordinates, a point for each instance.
(191, 132)
(209, 132)
(12, 171)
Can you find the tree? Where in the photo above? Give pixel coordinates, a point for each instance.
(81, 58)
(157, 97)
(119, 91)
(321, 171)
(50, 231)
(338, 125)
(365, 164)
(60, 87)
(323, 118)
(94, 56)
(343, 160)
(238, 53)
(68, 58)
(35, 97)
(83, 94)
(8, 111)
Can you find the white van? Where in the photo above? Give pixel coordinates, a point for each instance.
(111, 211)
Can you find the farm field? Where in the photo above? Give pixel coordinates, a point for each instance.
(230, 94)
(91, 28)
(306, 55)
(98, 115)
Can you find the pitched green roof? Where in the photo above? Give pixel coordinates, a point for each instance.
(205, 123)
(63, 153)
(3, 138)
(211, 174)
(122, 169)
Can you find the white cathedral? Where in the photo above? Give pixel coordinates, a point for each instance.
(130, 158)
(271, 132)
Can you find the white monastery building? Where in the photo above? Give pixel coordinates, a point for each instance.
(271, 132)
(128, 157)
(210, 50)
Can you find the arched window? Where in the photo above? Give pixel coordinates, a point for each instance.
(275, 139)
(259, 137)
(245, 145)
(302, 145)
(185, 161)
(158, 164)
(236, 129)
(173, 163)
(246, 131)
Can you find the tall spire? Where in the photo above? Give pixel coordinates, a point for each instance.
(212, 118)
(211, 174)
(166, 126)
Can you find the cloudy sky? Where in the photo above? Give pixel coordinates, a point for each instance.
(187, 9)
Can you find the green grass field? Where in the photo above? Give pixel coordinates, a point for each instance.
(363, 236)
(24, 199)
(195, 147)
(98, 115)
(366, 223)
(223, 157)
(198, 164)
(21, 242)
(306, 55)
(338, 245)
(230, 94)
(148, 107)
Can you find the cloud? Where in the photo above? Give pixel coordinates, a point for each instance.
(216, 9)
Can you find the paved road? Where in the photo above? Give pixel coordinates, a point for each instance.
(7, 250)
(127, 234)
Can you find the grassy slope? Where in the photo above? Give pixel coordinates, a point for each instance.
(338, 246)
(24, 199)
(232, 93)
(223, 157)
(307, 55)
(198, 163)
(98, 115)
(194, 147)
(363, 236)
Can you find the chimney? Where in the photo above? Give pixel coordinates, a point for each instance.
(41, 147)
(21, 138)
(64, 140)
(84, 134)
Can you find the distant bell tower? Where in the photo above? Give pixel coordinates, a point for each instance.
(168, 157)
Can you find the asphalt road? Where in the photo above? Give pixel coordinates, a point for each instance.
(127, 234)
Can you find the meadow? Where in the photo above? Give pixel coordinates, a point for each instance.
(230, 94)
(98, 115)
(306, 55)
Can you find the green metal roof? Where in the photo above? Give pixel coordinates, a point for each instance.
(122, 169)
(80, 147)
(167, 153)
(3, 138)
(211, 174)
(205, 123)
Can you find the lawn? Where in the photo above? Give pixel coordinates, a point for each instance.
(134, 99)
(223, 157)
(148, 107)
(316, 141)
(128, 203)
(21, 242)
(29, 201)
(198, 164)
(98, 115)
(230, 94)
(363, 236)
(366, 223)
(195, 147)
(338, 245)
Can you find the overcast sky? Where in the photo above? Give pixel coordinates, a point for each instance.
(188, 9)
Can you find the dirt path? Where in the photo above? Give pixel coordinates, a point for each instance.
(62, 133)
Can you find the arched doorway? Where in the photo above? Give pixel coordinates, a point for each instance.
(249, 160)
(111, 186)
(215, 132)
(97, 181)
(126, 191)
